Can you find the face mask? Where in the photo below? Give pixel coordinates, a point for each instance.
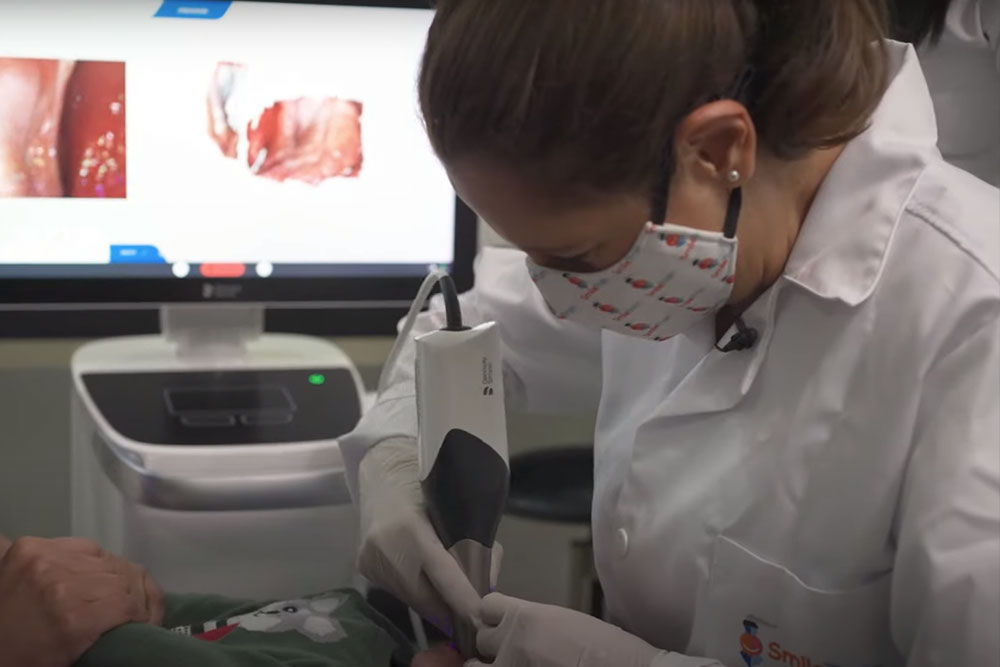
(671, 278)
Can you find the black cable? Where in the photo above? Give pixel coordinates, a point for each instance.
(452, 308)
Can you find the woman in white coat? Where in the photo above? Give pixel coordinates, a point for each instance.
(959, 46)
(798, 444)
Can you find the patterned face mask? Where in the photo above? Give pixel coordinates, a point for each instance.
(671, 278)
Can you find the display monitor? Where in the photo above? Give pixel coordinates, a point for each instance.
(186, 151)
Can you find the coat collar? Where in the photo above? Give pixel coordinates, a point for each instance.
(842, 248)
(844, 241)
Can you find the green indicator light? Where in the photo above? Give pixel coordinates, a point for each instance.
(317, 379)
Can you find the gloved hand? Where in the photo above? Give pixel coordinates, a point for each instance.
(400, 551)
(517, 633)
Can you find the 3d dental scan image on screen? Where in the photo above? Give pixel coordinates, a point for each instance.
(499, 333)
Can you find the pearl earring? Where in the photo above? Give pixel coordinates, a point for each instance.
(734, 176)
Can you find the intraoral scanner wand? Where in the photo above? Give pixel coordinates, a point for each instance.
(462, 423)
(464, 469)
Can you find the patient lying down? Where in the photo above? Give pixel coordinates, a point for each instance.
(67, 602)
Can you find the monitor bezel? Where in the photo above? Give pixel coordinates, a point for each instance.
(360, 294)
(91, 293)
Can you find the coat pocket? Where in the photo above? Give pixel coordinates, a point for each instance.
(759, 613)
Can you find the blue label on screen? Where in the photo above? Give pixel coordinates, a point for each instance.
(193, 9)
(136, 254)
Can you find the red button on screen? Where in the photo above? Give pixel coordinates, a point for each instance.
(223, 270)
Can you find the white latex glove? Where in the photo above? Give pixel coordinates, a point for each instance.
(517, 633)
(400, 552)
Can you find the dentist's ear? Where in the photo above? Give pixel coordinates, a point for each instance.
(716, 140)
(5, 544)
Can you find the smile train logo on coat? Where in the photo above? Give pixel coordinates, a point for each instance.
(751, 647)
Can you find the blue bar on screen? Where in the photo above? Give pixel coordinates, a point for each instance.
(193, 9)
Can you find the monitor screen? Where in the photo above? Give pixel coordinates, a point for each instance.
(155, 142)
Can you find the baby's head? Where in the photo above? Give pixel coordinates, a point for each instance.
(440, 656)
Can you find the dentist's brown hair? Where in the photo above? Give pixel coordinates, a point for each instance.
(583, 95)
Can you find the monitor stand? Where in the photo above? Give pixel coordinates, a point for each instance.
(209, 454)
(212, 333)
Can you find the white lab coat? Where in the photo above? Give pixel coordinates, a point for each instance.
(839, 484)
(963, 72)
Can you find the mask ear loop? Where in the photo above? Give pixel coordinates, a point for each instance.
(745, 337)
(733, 213)
(740, 90)
(658, 214)
(661, 193)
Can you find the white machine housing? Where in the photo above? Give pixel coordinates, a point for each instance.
(262, 520)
